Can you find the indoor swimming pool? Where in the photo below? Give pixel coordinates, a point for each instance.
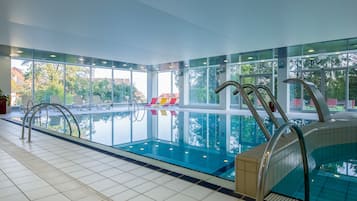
(204, 142)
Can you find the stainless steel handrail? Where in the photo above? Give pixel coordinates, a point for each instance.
(262, 101)
(275, 102)
(248, 102)
(268, 152)
(321, 107)
(38, 108)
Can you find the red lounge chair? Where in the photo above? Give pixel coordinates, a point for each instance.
(172, 102)
(153, 102)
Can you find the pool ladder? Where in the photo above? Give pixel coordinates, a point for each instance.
(241, 89)
(268, 152)
(37, 108)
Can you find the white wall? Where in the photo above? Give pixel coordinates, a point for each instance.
(5, 75)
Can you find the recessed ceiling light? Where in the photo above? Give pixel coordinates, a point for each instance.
(226, 161)
(19, 51)
(204, 156)
(186, 152)
(171, 149)
(225, 61)
(186, 65)
(93, 64)
(113, 66)
(250, 58)
(310, 50)
(170, 66)
(81, 59)
(204, 63)
(104, 62)
(53, 56)
(125, 64)
(141, 149)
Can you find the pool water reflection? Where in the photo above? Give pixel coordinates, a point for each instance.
(205, 142)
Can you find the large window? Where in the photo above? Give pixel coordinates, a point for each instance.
(202, 81)
(49, 82)
(259, 72)
(121, 86)
(77, 85)
(140, 86)
(168, 85)
(21, 82)
(101, 85)
(330, 66)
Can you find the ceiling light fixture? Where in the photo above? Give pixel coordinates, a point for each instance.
(81, 59)
(104, 62)
(113, 66)
(19, 51)
(53, 56)
(225, 61)
(204, 63)
(310, 50)
(125, 65)
(250, 58)
(14, 55)
(93, 64)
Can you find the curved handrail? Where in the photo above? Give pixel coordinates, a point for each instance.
(248, 102)
(321, 107)
(38, 108)
(261, 99)
(275, 102)
(268, 152)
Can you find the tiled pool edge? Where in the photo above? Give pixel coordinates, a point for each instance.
(184, 177)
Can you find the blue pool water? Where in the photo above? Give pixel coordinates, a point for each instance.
(205, 142)
(331, 179)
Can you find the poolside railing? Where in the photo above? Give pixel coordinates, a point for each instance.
(37, 108)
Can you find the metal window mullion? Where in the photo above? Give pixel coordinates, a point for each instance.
(90, 86)
(112, 102)
(64, 83)
(33, 81)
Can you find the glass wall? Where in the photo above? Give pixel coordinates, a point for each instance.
(49, 82)
(257, 68)
(203, 79)
(168, 85)
(101, 85)
(77, 85)
(87, 84)
(121, 86)
(21, 82)
(140, 86)
(330, 66)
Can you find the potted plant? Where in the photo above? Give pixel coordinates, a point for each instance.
(3, 100)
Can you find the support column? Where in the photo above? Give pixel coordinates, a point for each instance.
(282, 88)
(5, 76)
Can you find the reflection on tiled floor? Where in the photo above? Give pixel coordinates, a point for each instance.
(49, 169)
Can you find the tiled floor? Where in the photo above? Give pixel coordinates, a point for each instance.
(49, 169)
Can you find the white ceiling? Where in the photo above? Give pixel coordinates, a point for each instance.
(159, 31)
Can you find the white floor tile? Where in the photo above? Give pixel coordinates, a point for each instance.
(160, 193)
(126, 195)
